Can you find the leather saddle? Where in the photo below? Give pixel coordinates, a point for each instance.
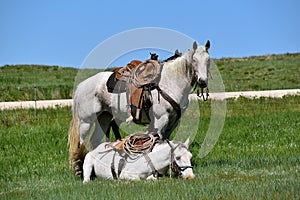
(117, 82)
(137, 79)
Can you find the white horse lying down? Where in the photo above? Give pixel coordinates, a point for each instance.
(110, 163)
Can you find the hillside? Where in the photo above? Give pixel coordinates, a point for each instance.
(267, 72)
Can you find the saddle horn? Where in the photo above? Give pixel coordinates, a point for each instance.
(153, 56)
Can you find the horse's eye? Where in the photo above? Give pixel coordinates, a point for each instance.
(178, 158)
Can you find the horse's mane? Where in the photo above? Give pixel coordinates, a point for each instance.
(174, 143)
(178, 65)
(176, 55)
(178, 143)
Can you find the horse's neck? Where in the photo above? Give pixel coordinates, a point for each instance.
(177, 76)
(160, 155)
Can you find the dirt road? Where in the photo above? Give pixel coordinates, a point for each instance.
(220, 96)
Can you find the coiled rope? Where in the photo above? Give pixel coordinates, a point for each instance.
(139, 143)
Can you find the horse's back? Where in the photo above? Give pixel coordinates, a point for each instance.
(86, 94)
(91, 83)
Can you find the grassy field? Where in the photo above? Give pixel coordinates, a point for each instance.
(256, 157)
(260, 72)
(53, 82)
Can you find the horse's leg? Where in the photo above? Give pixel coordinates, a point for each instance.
(87, 168)
(96, 136)
(160, 125)
(170, 128)
(85, 128)
(77, 132)
(107, 134)
(115, 127)
(162, 121)
(159, 122)
(113, 124)
(101, 128)
(151, 177)
(79, 155)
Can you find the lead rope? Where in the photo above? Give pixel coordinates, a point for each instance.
(154, 171)
(171, 158)
(112, 167)
(202, 94)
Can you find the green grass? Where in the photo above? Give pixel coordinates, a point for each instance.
(256, 157)
(260, 72)
(53, 82)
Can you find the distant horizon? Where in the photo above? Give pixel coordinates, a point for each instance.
(110, 67)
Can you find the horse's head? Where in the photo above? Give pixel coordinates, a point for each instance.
(182, 160)
(201, 63)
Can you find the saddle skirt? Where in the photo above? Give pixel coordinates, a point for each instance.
(125, 73)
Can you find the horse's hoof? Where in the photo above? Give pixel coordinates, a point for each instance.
(77, 169)
(78, 173)
(129, 119)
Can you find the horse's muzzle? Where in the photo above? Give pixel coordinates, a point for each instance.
(202, 83)
(188, 174)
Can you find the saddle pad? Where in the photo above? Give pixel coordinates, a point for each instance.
(114, 85)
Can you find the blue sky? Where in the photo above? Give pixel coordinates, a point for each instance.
(65, 32)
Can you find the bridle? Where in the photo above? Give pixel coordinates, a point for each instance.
(200, 90)
(173, 164)
(204, 96)
(177, 169)
(197, 86)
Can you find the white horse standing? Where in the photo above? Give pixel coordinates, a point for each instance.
(94, 104)
(109, 163)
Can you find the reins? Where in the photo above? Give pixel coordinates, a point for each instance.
(154, 171)
(200, 91)
(173, 103)
(205, 98)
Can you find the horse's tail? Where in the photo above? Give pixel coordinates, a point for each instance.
(73, 139)
(77, 152)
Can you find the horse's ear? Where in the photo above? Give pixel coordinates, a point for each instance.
(195, 45)
(177, 53)
(187, 142)
(207, 45)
